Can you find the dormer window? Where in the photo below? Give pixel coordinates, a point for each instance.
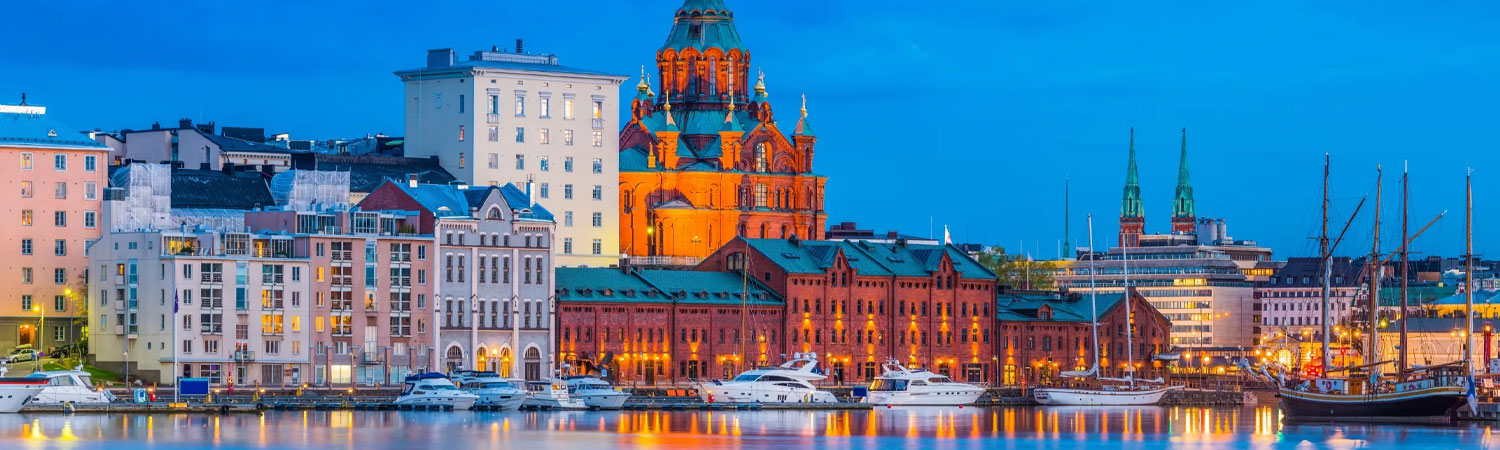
(695, 32)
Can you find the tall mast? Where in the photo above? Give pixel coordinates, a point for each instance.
(1067, 245)
(1401, 369)
(1375, 272)
(1129, 356)
(1469, 271)
(1093, 296)
(1327, 268)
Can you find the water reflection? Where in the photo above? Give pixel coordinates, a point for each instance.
(1134, 427)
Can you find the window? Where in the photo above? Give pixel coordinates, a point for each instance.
(60, 247)
(90, 190)
(567, 194)
(568, 219)
(598, 193)
(598, 165)
(90, 219)
(25, 275)
(494, 134)
(598, 246)
(598, 220)
(60, 162)
(461, 133)
(762, 164)
(26, 189)
(62, 190)
(568, 164)
(567, 246)
(59, 276)
(598, 138)
(26, 246)
(544, 136)
(520, 134)
(90, 163)
(461, 101)
(543, 190)
(760, 196)
(598, 109)
(26, 303)
(60, 218)
(567, 137)
(567, 110)
(494, 160)
(520, 162)
(26, 162)
(25, 217)
(520, 104)
(546, 107)
(461, 160)
(494, 104)
(59, 303)
(545, 163)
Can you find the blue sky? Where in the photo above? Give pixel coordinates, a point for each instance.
(965, 113)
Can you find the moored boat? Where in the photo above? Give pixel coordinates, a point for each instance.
(16, 392)
(595, 393)
(434, 390)
(790, 382)
(899, 385)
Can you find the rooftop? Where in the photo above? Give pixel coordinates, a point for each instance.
(29, 126)
(660, 286)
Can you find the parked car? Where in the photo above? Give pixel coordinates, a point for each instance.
(21, 354)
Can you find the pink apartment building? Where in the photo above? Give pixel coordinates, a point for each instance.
(52, 176)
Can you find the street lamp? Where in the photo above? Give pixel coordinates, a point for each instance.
(41, 335)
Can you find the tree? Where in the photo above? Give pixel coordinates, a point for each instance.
(1017, 271)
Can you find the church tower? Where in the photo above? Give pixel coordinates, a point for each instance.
(1183, 211)
(703, 62)
(1132, 216)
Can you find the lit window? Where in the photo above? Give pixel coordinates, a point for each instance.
(598, 109)
(568, 108)
(546, 107)
(520, 105)
(598, 138)
(26, 217)
(762, 163)
(26, 161)
(26, 189)
(544, 136)
(461, 133)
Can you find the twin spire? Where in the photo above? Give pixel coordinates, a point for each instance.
(1184, 211)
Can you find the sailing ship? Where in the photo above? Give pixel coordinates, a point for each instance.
(1423, 394)
(1105, 391)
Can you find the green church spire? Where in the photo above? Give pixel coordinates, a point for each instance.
(1182, 205)
(1130, 206)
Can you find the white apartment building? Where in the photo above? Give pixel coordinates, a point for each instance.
(511, 117)
(224, 306)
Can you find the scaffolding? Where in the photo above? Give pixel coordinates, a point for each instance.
(148, 197)
(311, 190)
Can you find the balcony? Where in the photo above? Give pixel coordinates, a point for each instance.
(211, 278)
(492, 118)
(371, 358)
(242, 356)
(598, 124)
(119, 304)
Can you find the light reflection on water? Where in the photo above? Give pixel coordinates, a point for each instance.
(1122, 427)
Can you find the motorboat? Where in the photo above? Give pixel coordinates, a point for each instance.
(16, 392)
(551, 394)
(434, 389)
(899, 385)
(790, 382)
(595, 393)
(494, 392)
(69, 386)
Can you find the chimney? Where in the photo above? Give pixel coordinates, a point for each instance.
(184, 123)
(228, 168)
(792, 239)
(206, 128)
(204, 166)
(411, 180)
(156, 125)
(529, 179)
(518, 46)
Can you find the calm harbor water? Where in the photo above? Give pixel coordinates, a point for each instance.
(938, 428)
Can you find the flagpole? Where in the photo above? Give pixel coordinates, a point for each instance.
(176, 385)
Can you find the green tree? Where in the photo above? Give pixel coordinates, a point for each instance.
(1018, 271)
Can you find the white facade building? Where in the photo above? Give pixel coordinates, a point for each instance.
(503, 117)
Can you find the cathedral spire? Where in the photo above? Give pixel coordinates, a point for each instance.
(804, 127)
(1132, 217)
(1183, 211)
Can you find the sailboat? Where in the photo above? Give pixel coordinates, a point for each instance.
(1124, 391)
(1427, 394)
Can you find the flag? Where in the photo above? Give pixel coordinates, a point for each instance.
(1473, 394)
(174, 302)
(947, 239)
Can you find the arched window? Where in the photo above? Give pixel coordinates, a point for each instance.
(533, 364)
(494, 213)
(763, 230)
(455, 358)
(762, 160)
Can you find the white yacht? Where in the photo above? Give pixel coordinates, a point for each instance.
(550, 395)
(898, 385)
(595, 393)
(1102, 395)
(69, 386)
(787, 383)
(15, 392)
(434, 389)
(494, 392)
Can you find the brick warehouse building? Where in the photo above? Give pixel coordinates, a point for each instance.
(1044, 332)
(650, 326)
(858, 303)
(706, 161)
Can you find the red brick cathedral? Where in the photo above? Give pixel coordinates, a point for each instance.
(704, 160)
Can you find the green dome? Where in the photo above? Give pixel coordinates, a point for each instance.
(703, 24)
